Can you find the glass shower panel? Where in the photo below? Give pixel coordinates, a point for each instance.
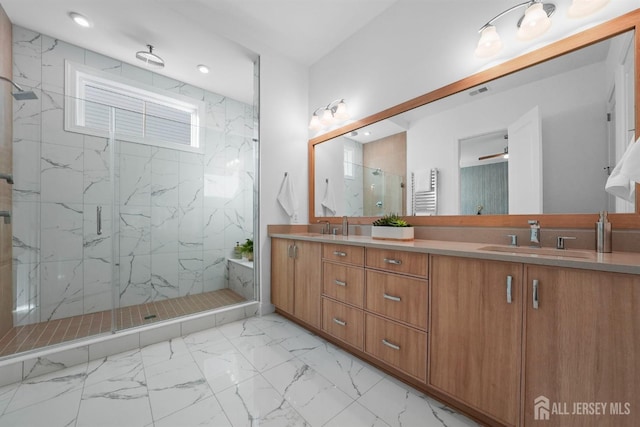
(181, 211)
(62, 199)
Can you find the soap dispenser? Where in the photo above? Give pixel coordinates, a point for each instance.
(603, 234)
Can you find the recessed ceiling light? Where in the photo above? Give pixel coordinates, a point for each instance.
(367, 133)
(81, 20)
(203, 69)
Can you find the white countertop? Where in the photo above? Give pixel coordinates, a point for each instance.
(618, 262)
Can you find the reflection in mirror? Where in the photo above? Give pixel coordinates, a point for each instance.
(558, 161)
(362, 173)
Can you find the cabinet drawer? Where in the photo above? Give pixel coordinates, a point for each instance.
(343, 253)
(343, 322)
(343, 283)
(398, 297)
(398, 261)
(397, 345)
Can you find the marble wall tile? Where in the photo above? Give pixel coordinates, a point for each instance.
(166, 83)
(191, 186)
(214, 149)
(54, 54)
(53, 120)
(62, 228)
(61, 289)
(190, 229)
(135, 180)
(27, 115)
(98, 284)
(215, 269)
(26, 170)
(136, 73)
(236, 228)
(103, 63)
(97, 245)
(135, 280)
(164, 229)
(192, 92)
(26, 232)
(213, 228)
(164, 182)
(61, 174)
(26, 287)
(164, 276)
(241, 279)
(27, 56)
(135, 230)
(191, 272)
(234, 120)
(97, 185)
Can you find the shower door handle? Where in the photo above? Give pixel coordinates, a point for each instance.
(99, 220)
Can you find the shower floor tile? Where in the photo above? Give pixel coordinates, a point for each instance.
(30, 337)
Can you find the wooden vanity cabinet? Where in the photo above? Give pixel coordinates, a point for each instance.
(582, 345)
(475, 334)
(296, 278)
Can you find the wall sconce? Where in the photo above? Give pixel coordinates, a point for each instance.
(335, 112)
(535, 22)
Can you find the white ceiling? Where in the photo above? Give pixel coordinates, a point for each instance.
(226, 35)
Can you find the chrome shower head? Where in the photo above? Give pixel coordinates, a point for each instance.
(24, 95)
(150, 58)
(21, 95)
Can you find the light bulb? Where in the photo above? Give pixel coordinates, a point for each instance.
(489, 43)
(535, 22)
(341, 111)
(81, 20)
(327, 117)
(315, 124)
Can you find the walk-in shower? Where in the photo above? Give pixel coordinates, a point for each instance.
(128, 196)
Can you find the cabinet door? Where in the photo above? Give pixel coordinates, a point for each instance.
(476, 334)
(582, 345)
(308, 282)
(282, 274)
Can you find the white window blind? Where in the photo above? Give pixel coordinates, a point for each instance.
(141, 115)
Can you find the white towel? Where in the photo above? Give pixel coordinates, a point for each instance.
(287, 197)
(329, 201)
(621, 181)
(422, 181)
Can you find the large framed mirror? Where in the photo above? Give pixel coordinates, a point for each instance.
(562, 115)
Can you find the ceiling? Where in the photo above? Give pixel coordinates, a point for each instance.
(226, 35)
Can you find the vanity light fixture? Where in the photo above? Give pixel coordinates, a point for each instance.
(203, 69)
(80, 20)
(535, 22)
(333, 113)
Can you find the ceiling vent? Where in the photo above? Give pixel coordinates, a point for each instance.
(483, 89)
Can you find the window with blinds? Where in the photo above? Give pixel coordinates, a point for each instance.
(98, 101)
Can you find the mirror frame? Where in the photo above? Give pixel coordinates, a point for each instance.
(627, 22)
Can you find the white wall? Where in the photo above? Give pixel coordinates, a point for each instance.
(283, 148)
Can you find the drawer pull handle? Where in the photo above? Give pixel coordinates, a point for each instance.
(390, 345)
(339, 253)
(339, 322)
(340, 282)
(393, 261)
(509, 282)
(391, 297)
(536, 300)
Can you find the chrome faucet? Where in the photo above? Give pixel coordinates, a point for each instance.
(534, 238)
(561, 240)
(326, 228)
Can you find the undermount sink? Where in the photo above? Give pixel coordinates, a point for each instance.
(565, 253)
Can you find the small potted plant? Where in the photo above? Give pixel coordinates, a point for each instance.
(247, 249)
(391, 227)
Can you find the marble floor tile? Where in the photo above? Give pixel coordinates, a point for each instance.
(256, 403)
(175, 385)
(262, 371)
(356, 415)
(312, 395)
(119, 401)
(207, 412)
(353, 376)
